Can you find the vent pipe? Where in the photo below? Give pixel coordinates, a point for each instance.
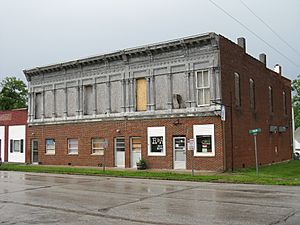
(277, 69)
(263, 58)
(242, 43)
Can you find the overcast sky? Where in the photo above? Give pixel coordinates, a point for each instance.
(35, 33)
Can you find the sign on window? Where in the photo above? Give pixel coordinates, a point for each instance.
(157, 144)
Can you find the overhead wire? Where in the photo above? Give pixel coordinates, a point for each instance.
(271, 29)
(253, 33)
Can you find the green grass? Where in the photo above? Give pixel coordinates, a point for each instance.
(286, 173)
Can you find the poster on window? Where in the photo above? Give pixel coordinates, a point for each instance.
(157, 144)
(204, 143)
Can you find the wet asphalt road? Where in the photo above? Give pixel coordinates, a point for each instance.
(27, 198)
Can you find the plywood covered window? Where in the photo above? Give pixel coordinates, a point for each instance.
(271, 107)
(237, 90)
(141, 95)
(88, 100)
(203, 87)
(284, 103)
(252, 94)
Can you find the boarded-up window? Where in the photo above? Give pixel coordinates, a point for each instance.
(38, 105)
(72, 101)
(48, 104)
(252, 93)
(237, 90)
(271, 99)
(284, 103)
(88, 100)
(60, 102)
(141, 95)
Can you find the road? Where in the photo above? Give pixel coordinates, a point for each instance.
(28, 198)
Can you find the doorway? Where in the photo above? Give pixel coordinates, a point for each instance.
(34, 151)
(120, 152)
(136, 150)
(179, 149)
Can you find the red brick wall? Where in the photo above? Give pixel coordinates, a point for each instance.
(10, 118)
(234, 59)
(84, 132)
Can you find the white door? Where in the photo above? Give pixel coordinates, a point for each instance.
(120, 152)
(2, 136)
(136, 151)
(179, 152)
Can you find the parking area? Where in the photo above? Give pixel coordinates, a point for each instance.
(27, 198)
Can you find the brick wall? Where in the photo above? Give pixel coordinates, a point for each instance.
(272, 147)
(84, 132)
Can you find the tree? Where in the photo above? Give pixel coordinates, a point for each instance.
(296, 101)
(13, 94)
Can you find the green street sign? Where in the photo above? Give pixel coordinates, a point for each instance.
(255, 131)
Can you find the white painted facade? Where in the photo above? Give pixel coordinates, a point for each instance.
(16, 133)
(2, 140)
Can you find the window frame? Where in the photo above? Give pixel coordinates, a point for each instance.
(72, 153)
(204, 130)
(156, 132)
(271, 101)
(252, 94)
(284, 103)
(198, 88)
(237, 90)
(14, 145)
(101, 149)
(47, 150)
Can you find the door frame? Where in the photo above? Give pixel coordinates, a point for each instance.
(131, 152)
(115, 152)
(173, 144)
(32, 140)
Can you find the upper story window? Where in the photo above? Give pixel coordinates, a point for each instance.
(284, 103)
(237, 90)
(271, 107)
(203, 87)
(141, 95)
(252, 93)
(50, 146)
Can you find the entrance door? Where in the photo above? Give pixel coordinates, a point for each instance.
(34, 151)
(179, 153)
(120, 152)
(136, 151)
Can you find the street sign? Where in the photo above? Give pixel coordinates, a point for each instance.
(223, 113)
(191, 144)
(255, 131)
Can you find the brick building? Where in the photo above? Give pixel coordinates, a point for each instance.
(150, 101)
(13, 128)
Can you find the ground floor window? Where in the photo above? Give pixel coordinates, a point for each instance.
(120, 144)
(17, 146)
(156, 141)
(50, 146)
(204, 136)
(98, 146)
(72, 146)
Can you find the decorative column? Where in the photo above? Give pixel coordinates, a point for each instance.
(33, 106)
(128, 93)
(66, 102)
(188, 89)
(95, 97)
(29, 106)
(193, 89)
(132, 95)
(148, 93)
(81, 99)
(153, 94)
(54, 102)
(170, 97)
(108, 99)
(123, 83)
(43, 104)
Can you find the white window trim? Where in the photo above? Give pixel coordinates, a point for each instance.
(103, 149)
(204, 129)
(153, 132)
(204, 87)
(47, 150)
(71, 153)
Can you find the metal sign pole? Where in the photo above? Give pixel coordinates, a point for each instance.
(193, 170)
(103, 164)
(256, 158)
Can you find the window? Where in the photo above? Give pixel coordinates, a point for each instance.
(50, 146)
(141, 95)
(271, 99)
(203, 143)
(156, 141)
(203, 87)
(17, 146)
(237, 90)
(120, 144)
(98, 146)
(72, 146)
(204, 136)
(252, 93)
(284, 103)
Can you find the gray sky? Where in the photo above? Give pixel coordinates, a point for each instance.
(40, 32)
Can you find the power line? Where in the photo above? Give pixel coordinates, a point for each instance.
(270, 28)
(252, 32)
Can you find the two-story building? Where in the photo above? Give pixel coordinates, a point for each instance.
(148, 102)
